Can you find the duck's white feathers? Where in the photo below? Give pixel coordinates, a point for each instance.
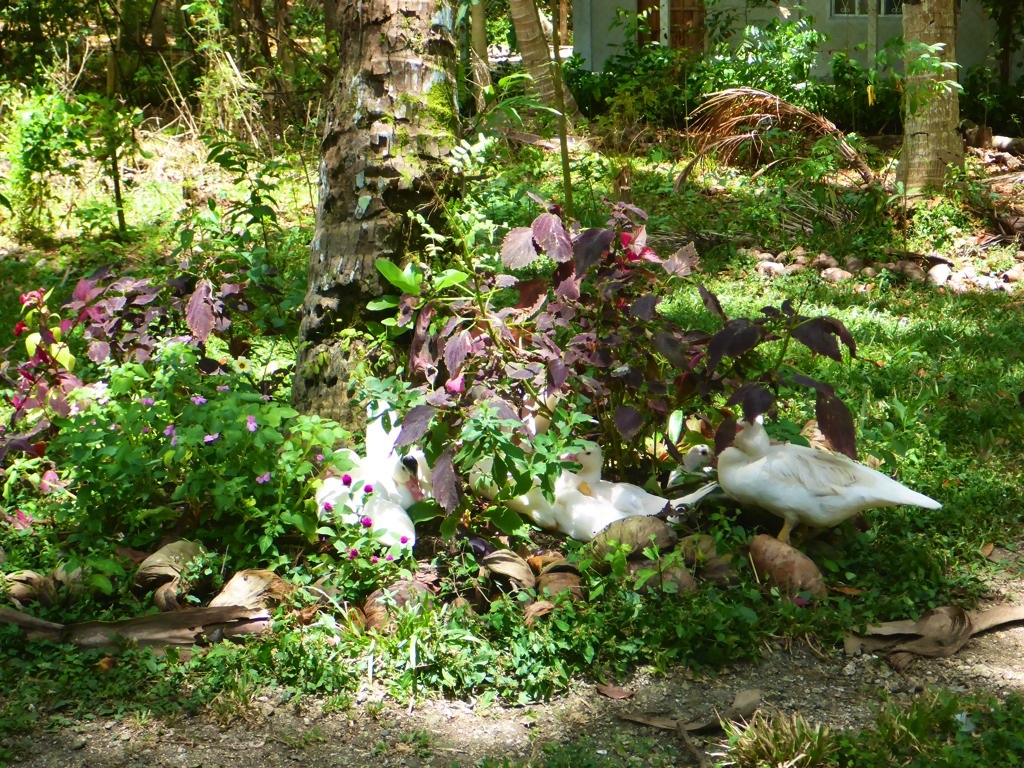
(804, 485)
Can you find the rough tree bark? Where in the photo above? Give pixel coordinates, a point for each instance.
(930, 139)
(391, 119)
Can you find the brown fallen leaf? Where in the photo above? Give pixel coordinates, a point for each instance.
(850, 591)
(613, 691)
(106, 664)
(535, 610)
(986, 549)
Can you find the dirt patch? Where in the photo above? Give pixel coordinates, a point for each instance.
(824, 688)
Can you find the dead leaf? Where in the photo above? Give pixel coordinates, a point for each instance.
(986, 549)
(850, 591)
(655, 722)
(613, 691)
(535, 610)
(106, 664)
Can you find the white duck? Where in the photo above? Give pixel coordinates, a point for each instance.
(531, 504)
(582, 516)
(629, 499)
(397, 482)
(803, 485)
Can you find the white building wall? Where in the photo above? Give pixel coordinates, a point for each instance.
(595, 40)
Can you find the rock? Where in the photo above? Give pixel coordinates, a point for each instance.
(764, 256)
(770, 269)
(79, 744)
(836, 275)
(911, 270)
(939, 274)
(799, 252)
(890, 266)
(1013, 275)
(853, 264)
(824, 261)
(793, 269)
(869, 272)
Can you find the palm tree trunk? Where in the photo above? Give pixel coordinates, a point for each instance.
(930, 139)
(533, 46)
(392, 118)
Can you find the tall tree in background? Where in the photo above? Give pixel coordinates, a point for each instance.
(930, 138)
(536, 52)
(391, 119)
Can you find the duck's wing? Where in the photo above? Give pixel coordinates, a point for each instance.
(816, 472)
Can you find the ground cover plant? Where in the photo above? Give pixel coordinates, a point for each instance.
(147, 369)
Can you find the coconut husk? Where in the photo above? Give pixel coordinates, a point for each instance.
(672, 579)
(509, 569)
(637, 532)
(254, 588)
(785, 567)
(559, 577)
(165, 564)
(380, 606)
(25, 587)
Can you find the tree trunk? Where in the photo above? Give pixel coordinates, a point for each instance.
(478, 52)
(930, 139)
(533, 46)
(391, 119)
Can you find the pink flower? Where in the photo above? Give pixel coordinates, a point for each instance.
(147, 401)
(198, 399)
(353, 554)
(367, 488)
(328, 507)
(223, 388)
(374, 559)
(404, 539)
(319, 458)
(211, 438)
(250, 423)
(390, 557)
(174, 441)
(456, 386)
(169, 430)
(19, 328)
(346, 479)
(266, 479)
(366, 522)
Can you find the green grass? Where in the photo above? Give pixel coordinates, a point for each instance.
(934, 391)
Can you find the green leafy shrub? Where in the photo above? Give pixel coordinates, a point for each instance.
(152, 445)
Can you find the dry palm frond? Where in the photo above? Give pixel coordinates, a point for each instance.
(733, 122)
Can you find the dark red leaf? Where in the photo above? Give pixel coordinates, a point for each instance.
(445, 482)
(591, 247)
(209, 366)
(407, 308)
(558, 373)
(415, 425)
(456, 349)
(628, 421)
(517, 249)
(550, 235)
(755, 400)
(199, 312)
(532, 294)
(737, 337)
(725, 435)
(682, 262)
(643, 308)
(816, 335)
(712, 303)
(421, 361)
(836, 423)
(99, 351)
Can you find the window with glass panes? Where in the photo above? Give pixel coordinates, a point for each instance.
(860, 7)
